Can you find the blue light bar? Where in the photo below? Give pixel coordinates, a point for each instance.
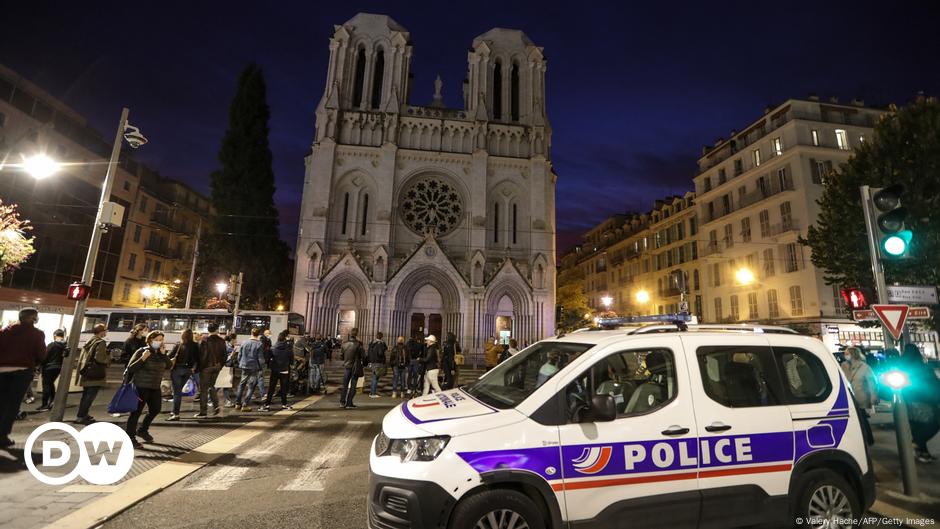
(656, 318)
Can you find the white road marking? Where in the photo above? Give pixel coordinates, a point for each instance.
(228, 475)
(313, 475)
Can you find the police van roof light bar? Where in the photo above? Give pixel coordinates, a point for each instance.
(678, 319)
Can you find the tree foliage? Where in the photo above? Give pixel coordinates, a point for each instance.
(905, 149)
(15, 246)
(570, 295)
(244, 234)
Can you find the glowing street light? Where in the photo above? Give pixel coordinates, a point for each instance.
(642, 296)
(40, 166)
(744, 276)
(607, 301)
(221, 288)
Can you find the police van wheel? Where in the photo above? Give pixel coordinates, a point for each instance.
(497, 509)
(825, 500)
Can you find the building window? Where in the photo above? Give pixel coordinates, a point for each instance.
(496, 222)
(132, 262)
(796, 301)
(752, 306)
(126, 293)
(773, 309)
(718, 315)
(698, 306)
(735, 313)
(712, 241)
(769, 262)
(716, 274)
(345, 213)
(738, 167)
(514, 220)
(148, 264)
(360, 79)
(693, 226)
(378, 75)
(778, 146)
(729, 236)
(497, 90)
(756, 155)
(157, 268)
(842, 139)
(786, 216)
(137, 232)
(708, 184)
(792, 263)
(365, 214)
(764, 217)
(514, 92)
(722, 177)
(143, 204)
(746, 229)
(127, 185)
(815, 134)
(695, 283)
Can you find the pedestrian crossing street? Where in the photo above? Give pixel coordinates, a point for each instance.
(306, 460)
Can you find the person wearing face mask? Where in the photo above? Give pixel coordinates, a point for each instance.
(92, 371)
(51, 367)
(22, 346)
(145, 370)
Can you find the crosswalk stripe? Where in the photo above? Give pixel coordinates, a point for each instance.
(312, 476)
(225, 477)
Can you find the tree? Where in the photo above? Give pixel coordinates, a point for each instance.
(244, 234)
(904, 149)
(570, 295)
(15, 246)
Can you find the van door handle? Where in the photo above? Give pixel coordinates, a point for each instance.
(675, 430)
(717, 427)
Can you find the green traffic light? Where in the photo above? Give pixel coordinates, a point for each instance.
(897, 244)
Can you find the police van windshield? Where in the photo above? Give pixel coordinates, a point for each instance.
(512, 381)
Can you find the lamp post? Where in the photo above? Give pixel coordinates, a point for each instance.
(744, 276)
(607, 301)
(146, 293)
(134, 139)
(897, 380)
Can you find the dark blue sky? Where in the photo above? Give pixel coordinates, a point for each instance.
(634, 89)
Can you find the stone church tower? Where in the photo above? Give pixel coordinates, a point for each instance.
(424, 220)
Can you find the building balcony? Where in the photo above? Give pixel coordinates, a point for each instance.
(770, 188)
(162, 250)
(782, 228)
(165, 220)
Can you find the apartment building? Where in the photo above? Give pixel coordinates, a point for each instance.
(757, 193)
(62, 208)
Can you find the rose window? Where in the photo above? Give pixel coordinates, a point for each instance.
(431, 206)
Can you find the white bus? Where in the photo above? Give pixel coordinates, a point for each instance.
(120, 322)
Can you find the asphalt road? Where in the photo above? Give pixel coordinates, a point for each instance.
(311, 471)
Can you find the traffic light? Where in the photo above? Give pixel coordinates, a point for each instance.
(858, 298)
(78, 291)
(895, 239)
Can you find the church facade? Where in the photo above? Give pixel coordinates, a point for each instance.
(422, 220)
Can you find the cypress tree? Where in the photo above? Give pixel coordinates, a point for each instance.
(244, 233)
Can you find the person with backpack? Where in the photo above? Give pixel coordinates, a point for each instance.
(377, 363)
(183, 359)
(282, 355)
(448, 359)
(398, 360)
(319, 350)
(212, 356)
(56, 351)
(92, 372)
(352, 368)
(432, 365)
(145, 370)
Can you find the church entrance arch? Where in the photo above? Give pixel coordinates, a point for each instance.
(346, 315)
(504, 328)
(427, 302)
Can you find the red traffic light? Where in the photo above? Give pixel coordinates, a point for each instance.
(858, 298)
(78, 291)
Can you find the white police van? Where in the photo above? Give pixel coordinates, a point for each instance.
(656, 426)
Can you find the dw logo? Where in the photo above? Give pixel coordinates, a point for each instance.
(105, 453)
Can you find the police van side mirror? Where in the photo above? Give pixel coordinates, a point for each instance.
(603, 409)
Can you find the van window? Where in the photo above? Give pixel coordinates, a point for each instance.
(805, 379)
(512, 381)
(639, 381)
(739, 377)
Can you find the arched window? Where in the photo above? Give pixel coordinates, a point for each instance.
(345, 213)
(498, 90)
(496, 222)
(359, 80)
(514, 92)
(515, 218)
(378, 72)
(365, 214)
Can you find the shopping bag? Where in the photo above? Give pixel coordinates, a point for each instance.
(224, 380)
(189, 389)
(125, 400)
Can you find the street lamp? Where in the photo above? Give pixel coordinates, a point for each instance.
(146, 293)
(607, 301)
(897, 380)
(106, 209)
(744, 276)
(40, 166)
(221, 288)
(642, 296)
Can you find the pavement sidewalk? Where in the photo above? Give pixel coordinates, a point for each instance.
(891, 502)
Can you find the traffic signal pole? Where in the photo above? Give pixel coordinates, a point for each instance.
(877, 268)
(68, 363)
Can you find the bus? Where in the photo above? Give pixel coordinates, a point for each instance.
(120, 321)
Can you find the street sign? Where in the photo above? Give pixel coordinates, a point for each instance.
(912, 294)
(864, 315)
(892, 317)
(684, 306)
(918, 313)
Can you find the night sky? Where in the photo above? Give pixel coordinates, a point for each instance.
(634, 90)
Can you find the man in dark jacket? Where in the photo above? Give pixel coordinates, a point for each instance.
(352, 368)
(415, 355)
(448, 359)
(398, 361)
(212, 354)
(282, 356)
(377, 363)
(51, 367)
(22, 347)
(319, 349)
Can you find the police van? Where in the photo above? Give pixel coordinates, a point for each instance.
(656, 426)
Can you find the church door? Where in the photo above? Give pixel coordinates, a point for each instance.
(417, 326)
(435, 326)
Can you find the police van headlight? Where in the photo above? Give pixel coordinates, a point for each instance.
(420, 449)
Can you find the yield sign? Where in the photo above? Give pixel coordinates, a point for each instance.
(892, 317)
